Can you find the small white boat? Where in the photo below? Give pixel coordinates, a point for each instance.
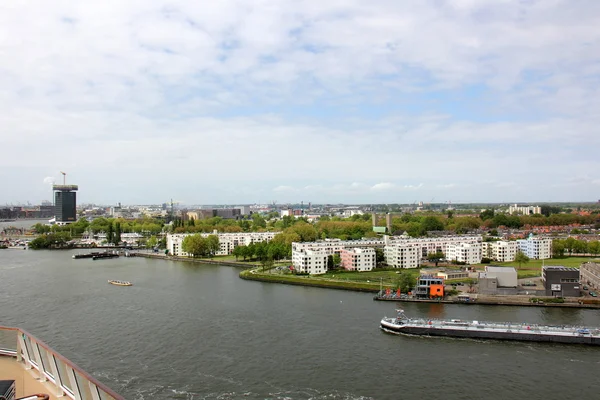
(119, 283)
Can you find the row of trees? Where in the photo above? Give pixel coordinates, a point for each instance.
(570, 246)
(359, 226)
(52, 240)
(199, 246)
(263, 251)
(101, 224)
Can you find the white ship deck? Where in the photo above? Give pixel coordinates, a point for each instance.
(38, 369)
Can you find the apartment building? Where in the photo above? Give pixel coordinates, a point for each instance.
(358, 259)
(333, 246)
(400, 252)
(227, 241)
(524, 210)
(500, 251)
(404, 255)
(468, 253)
(435, 244)
(313, 262)
(537, 248)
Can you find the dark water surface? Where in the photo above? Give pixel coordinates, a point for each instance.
(186, 331)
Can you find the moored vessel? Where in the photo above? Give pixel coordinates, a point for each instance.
(490, 330)
(119, 283)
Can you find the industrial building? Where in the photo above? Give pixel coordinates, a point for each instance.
(498, 280)
(561, 281)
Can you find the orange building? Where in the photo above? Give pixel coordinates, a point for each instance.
(436, 290)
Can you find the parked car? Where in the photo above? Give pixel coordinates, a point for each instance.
(585, 287)
(593, 294)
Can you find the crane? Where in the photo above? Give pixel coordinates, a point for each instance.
(64, 174)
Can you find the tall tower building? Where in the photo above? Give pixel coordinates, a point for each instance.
(65, 203)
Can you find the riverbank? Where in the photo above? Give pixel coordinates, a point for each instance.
(307, 280)
(253, 272)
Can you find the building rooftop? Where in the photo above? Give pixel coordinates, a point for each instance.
(559, 268)
(492, 268)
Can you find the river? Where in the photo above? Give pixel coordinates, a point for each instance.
(187, 331)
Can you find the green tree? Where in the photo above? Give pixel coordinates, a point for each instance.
(41, 228)
(110, 233)
(195, 245)
(152, 242)
(117, 235)
(337, 260)
(213, 244)
(521, 258)
(594, 247)
(406, 281)
(486, 214)
(258, 222)
(379, 256)
(435, 257)
(570, 244)
(558, 248)
(432, 223)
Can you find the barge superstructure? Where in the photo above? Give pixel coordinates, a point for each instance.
(490, 330)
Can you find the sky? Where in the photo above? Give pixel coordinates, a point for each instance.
(338, 101)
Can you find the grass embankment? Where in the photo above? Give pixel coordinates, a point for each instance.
(332, 280)
(533, 268)
(232, 259)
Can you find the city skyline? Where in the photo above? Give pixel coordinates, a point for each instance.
(251, 102)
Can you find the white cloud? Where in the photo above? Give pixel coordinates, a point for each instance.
(284, 189)
(207, 99)
(383, 186)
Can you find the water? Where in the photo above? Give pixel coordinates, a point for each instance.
(188, 331)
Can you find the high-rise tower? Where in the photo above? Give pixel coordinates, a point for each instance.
(65, 202)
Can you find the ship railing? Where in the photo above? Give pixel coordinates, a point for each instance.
(60, 374)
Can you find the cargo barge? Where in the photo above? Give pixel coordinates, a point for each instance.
(96, 255)
(490, 330)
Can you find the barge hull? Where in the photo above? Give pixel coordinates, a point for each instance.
(473, 334)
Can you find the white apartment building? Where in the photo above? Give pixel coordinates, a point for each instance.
(469, 253)
(400, 252)
(227, 241)
(435, 244)
(333, 246)
(309, 261)
(536, 248)
(524, 210)
(501, 251)
(404, 255)
(358, 259)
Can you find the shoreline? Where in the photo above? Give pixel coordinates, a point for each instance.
(249, 273)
